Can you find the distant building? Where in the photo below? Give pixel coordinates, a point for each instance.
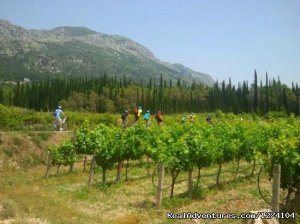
(11, 82)
(26, 80)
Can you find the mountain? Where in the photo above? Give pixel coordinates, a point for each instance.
(79, 51)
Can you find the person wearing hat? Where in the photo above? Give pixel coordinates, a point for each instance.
(58, 113)
(137, 113)
(191, 118)
(124, 118)
(209, 119)
(147, 116)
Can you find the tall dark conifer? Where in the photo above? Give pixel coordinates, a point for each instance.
(255, 98)
(178, 82)
(267, 94)
(160, 94)
(261, 103)
(297, 111)
(1, 95)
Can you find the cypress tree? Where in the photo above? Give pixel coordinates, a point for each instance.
(223, 100)
(150, 84)
(160, 97)
(138, 95)
(297, 100)
(1, 95)
(267, 94)
(239, 97)
(10, 100)
(255, 98)
(178, 82)
(285, 100)
(143, 100)
(17, 95)
(261, 98)
(245, 97)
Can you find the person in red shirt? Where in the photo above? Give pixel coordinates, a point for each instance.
(158, 118)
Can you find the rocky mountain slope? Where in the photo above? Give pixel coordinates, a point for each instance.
(78, 51)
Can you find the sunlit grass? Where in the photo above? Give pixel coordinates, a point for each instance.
(66, 198)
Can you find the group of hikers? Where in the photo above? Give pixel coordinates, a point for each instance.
(138, 112)
(60, 117)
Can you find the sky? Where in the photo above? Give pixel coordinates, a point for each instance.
(224, 38)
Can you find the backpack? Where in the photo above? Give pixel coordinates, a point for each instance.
(158, 117)
(139, 112)
(146, 116)
(123, 116)
(55, 114)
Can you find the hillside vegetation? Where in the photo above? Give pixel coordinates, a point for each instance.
(77, 52)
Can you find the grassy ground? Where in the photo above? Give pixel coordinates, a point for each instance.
(27, 197)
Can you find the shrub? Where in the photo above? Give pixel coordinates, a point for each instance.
(9, 209)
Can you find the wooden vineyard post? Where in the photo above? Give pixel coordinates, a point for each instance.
(190, 183)
(84, 163)
(119, 170)
(276, 187)
(237, 168)
(297, 197)
(159, 197)
(219, 174)
(48, 165)
(92, 169)
(71, 168)
(148, 166)
(253, 168)
(126, 170)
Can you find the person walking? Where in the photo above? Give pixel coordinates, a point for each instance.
(147, 116)
(191, 118)
(137, 113)
(58, 114)
(124, 116)
(209, 119)
(140, 111)
(158, 118)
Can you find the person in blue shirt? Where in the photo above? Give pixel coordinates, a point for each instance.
(58, 114)
(147, 116)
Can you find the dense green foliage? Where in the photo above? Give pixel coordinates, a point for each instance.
(63, 154)
(181, 147)
(18, 119)
(114, 95)
(272, 96)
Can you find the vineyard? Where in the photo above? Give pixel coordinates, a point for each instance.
(189, 148)
(203, 127)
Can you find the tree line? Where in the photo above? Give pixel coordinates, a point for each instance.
(112, 94)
